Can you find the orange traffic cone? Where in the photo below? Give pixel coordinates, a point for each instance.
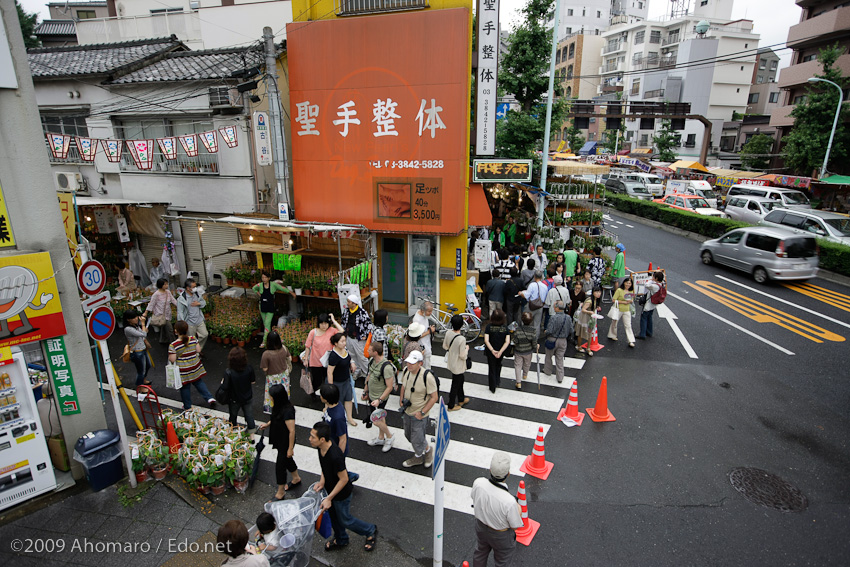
(649, 269)
(594, 341)
(529, 528)
(571, 409)
(171, 438)
(536, 464)
(600, 411)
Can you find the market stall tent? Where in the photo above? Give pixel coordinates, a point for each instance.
(683, 164)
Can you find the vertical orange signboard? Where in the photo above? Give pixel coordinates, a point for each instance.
(379, 120)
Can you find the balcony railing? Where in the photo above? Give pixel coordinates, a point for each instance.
(612, 47)
(185, 25)
(670, 40)
(203, 163)
(73, 154)
(667, 62)
(360, 7)
(654, 94)
(610, 67)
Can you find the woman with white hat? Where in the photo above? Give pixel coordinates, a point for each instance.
(356, 325)
(412, 340)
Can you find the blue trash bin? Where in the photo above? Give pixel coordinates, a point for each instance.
(100, 454)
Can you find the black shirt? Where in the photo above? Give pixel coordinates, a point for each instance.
(240, 384)
(278, 431)
(332, 463)
(497, 335)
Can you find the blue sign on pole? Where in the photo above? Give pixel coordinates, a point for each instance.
(502, 110)
(458, 262)
(444, 429)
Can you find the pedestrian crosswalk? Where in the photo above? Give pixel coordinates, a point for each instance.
(505, 421)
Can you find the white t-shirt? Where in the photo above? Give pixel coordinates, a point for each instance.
(424, 340)
(652, 287)
(495, 507)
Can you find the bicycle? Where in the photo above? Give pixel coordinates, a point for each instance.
(441, 319)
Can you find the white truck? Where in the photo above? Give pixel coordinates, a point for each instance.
(692, 187)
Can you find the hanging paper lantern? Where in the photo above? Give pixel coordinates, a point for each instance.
(87, 148)
(210, 141)
(228, 134)
(190, 144)
(59, 145)
(112, 149)
(168, 147)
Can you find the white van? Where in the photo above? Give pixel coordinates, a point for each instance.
(654, 184)
(691, 187)
(789, 198)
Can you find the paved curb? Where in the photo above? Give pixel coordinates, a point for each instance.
(823, 274)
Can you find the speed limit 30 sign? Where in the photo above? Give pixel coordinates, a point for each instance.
(91, 277)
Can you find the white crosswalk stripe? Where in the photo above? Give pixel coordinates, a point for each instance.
(508, 372)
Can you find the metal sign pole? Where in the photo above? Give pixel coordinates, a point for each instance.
(119, 416)
(439, 481)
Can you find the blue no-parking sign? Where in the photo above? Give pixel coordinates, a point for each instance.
(101, 323)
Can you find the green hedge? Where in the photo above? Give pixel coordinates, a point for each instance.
(833, 257)
(693, 222)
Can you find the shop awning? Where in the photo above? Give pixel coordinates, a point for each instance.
(721, 172)
(479, 209)
(683, 164)
(623, 152)
(791, 181)
(109, 202)
(836, 180)
(588, 149)
(578, 168)
(642, 151)
(274, 225)
(563, 155)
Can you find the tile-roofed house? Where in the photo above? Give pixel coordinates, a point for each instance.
(209, 64)
(54, 33)
(110, 59)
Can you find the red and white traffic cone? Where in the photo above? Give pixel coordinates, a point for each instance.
(536, 464)
(594, 341)
(529, 528)
(571, 409)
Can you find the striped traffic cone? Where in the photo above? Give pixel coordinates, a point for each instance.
(536, 464)
(600, 411)
(594, 341)
(571, 409)
(529, 528)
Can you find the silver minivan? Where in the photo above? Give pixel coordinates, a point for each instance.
(748, 208)
(825, 224)
(790, 198)
(765, 252)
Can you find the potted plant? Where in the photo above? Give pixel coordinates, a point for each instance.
(159, 468)
(216, 480)
(140, 468)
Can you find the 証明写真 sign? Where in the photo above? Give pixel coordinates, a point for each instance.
(501, 171)
(63, 379)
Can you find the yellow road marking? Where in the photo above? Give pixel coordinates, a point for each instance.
(761, 313)
(822, 294)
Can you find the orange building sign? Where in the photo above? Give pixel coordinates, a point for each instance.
(379, 109)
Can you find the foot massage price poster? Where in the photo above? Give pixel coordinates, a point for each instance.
(380, 133)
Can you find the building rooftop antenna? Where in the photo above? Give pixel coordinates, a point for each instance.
(679, 8)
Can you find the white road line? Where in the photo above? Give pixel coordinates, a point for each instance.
(508, 373)
(731, 324)
(630, 226)
(791, 303)
(666, 313)
(457, 452)
(619, 222)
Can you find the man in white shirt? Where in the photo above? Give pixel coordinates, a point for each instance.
(652, 287)
(540, 259)
(423, 317)
(497, 515)
(536, 290)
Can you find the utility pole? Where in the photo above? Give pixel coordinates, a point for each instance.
(276, 123)
(541, 207)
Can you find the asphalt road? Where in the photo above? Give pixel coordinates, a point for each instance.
(767, 389)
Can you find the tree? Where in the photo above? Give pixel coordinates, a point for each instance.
(756, 152)
(28, 23)
(524, 74)
(665, 141)
(574, 138)
(611, 142)
(806, 143)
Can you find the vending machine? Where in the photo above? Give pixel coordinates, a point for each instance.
(25, 467)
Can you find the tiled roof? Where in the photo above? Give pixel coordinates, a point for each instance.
(194, 65)
(97, 59)
(56, 27)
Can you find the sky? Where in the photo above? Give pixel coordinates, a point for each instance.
(771, 18)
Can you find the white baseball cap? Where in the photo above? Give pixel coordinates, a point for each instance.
(414, 357)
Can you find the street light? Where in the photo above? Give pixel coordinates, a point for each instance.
(834, 122)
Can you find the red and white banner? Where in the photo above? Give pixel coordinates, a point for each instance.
(168, 147)
(87, 148)
(210, 141)
(190, 144)
(228, 134)
(59, 145)
(142, 152)
(112, 149)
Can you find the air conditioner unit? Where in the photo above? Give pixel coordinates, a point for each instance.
(69, 180)
(225, 98)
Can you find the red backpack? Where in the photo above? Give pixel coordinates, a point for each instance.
(659, 296)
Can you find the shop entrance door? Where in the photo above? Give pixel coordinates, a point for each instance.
(392, 281)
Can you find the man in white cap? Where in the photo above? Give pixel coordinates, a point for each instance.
(356, 325)
(497, 514)
(417, 395)
(423, 317)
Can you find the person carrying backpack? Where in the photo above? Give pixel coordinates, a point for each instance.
(380, 383)
(656, 293)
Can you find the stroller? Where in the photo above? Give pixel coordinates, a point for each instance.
(297, 519)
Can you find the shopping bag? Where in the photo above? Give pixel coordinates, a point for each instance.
(614, 312)
(323, 525)
(366, 346)
(172, 376)
(306, 382)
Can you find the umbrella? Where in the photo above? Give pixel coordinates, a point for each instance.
(537, 356)
(260, 446)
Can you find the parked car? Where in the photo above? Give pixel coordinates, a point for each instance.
(653, 183)
(828, 225)
(747, 208)
(790, 198)
(693, 187)
(631, 188)
(690, 203)
(765, 252)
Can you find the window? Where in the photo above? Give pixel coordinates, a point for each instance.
(773, 65)
(86, 14)
(640, 5)
(754, 98)
(691, 141)
(569, 11)
(753, 206)
(558, 57)
(598, 14)
(703, 3)
(165, 10)
(569, 92)
(760, 79)
(774, 97)
(732, 238)
(569, 30)
(591, 136)
(639, 37)
(799, 99)
(570, 72)
(762, 242)
(762, 64)
(635, 87)
(655, 36)
(644, 140)
(204, 162)
(811, 57)
(813, 226)
(572, 50)
(71, 125)
(583, 12)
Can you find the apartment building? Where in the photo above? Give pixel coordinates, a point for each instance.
(764, 92)
(593, 17)
(674, 59)
(822, 24)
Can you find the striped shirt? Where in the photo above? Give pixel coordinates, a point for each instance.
(188, 360)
